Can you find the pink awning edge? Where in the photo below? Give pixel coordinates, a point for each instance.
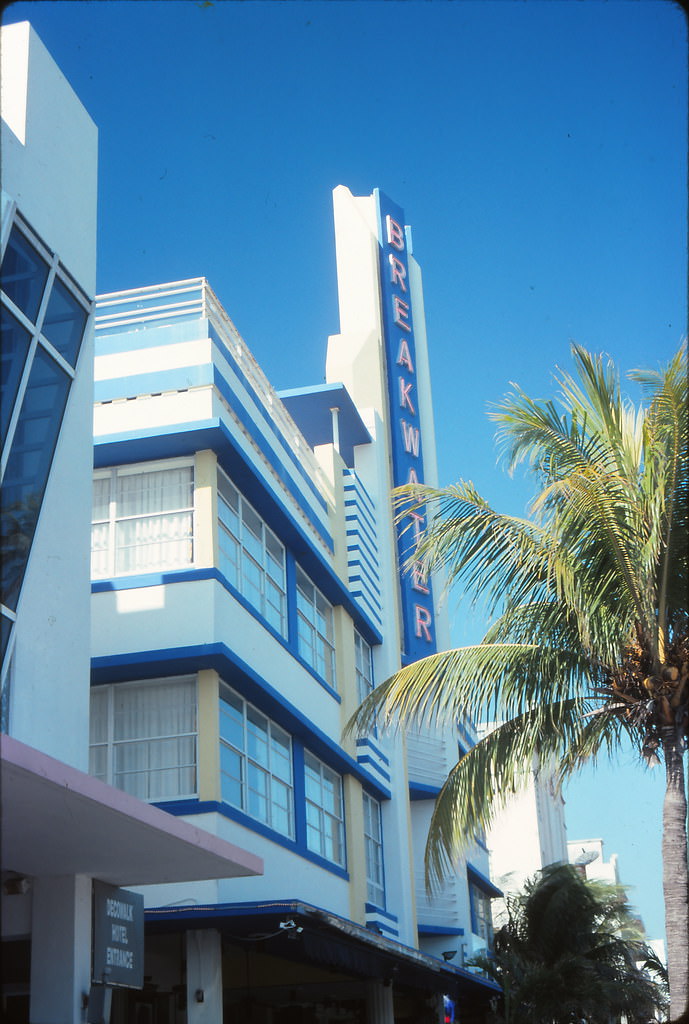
(57, 820)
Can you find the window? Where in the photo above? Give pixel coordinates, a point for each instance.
(44, 318)
(255, 764)
(25, 273)
(143, 737)
(251, 556)
(364, 666)
(316, 629)
(143, 519)
(481, 917)
(373, 844)
(324, 810)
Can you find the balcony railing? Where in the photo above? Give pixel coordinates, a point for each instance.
(179, 301)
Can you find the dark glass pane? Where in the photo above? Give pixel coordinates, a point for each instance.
(28, 467)
(23, 274)
(64, 322)
(13, 351)
(6, 630)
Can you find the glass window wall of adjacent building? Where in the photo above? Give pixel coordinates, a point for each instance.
(44, 316)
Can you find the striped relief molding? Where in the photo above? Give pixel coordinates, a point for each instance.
(363, 566)
(373, 761)
(381, 921)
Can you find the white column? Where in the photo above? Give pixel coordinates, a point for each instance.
(379, 1003)
(335, 413)
(204, 977)
(60, 949)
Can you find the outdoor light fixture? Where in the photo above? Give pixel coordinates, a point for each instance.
(15, 886)
(449, 954)
(290, 926)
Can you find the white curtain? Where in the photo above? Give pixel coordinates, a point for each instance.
(160, 537)
(154, 739)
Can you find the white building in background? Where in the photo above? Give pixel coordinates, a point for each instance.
(587, 855)
(527, 834)
(64, 833)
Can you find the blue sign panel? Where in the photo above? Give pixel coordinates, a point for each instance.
(407, 448)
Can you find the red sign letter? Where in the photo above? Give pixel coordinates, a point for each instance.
(400, 308)
(418, 578)
(423, 619)
(410, 437)
(404, 355)
(398, 272)
(395, 233)
(405, 400)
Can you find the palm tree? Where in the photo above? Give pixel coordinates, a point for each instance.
(589, 641)
(566, 952)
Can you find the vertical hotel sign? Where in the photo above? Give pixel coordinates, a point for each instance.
(407, 450)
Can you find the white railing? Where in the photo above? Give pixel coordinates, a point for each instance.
(177, 301)
(427, 757)
(442, 908)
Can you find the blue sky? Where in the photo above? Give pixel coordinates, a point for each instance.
(538, 150)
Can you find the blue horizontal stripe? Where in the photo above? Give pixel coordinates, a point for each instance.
(367, 577)
(375, 921)
(191, 575)
(259, 437)
(179, 378)
(366, 742)
(367, 759)
(138, 335)
(421, 791)
(373, 908)
(483, 882)
(356, 545)
(354, 483)
(430, 929)
(190, 807)
(356, 526)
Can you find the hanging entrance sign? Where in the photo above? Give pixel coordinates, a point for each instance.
(118, 936)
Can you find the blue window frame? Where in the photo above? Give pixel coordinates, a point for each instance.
(481, 915)
(324, 810)
(255, 763)
(364, 666)
(373, 846)
(251, 556)
(316, 629)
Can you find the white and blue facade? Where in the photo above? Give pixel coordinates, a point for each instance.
(246, 594)
(64, 833)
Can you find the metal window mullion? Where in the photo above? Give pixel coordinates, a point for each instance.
(52, 271)
(57, 357)
(21, 391)
(245, 760)
(110, 737)
(112, 524)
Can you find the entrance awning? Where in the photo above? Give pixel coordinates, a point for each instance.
(330, 941)
(57, 820)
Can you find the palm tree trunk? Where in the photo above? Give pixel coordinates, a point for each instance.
(676, 872)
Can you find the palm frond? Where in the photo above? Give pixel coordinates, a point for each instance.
(500, 681)
(556, 734)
